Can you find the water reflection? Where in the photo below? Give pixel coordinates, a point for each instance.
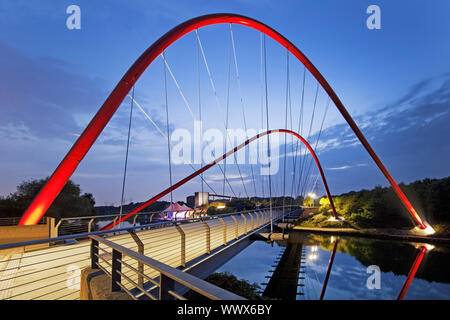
(337, 268)
(330, 265)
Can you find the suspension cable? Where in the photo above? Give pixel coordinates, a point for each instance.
(218, 102)
(241, 97)
(165, 136)
(285, 125)
(226, 119)
(307, 177)
(262, 104)
(126, 159)
(190, 111)
(319, 134)
(200, 113)
(309, 135)
(167, 124)
(268, 138)
(300, 130)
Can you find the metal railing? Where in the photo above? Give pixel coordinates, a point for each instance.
(165, 282)
(14, 221)
(54, 272)
(74, 225)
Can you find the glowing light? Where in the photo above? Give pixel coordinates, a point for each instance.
(313, 256)
(427, 231)
(221, 206)
(312, 195)
(339, 219)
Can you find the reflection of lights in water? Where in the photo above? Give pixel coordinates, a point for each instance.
(428, 246)
(313, 256)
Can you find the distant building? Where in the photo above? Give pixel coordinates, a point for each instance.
(201, 198)
(190, 201)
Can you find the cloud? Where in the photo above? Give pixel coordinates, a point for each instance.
(44, 93)
(408, 135)
(340, 168)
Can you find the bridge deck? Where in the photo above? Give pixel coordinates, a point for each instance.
(54, 273)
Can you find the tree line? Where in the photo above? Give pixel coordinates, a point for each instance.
(380, 207)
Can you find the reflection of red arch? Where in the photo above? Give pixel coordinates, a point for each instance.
(65, 169)
(200, 171)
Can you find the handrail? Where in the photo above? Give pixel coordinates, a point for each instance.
(30, 271)
(196, 284)
(149, 212)
(102, 232)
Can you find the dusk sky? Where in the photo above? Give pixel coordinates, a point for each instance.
(394, 81)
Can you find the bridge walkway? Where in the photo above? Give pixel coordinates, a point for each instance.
(54, 273)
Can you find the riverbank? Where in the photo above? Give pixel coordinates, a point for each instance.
(386, 234)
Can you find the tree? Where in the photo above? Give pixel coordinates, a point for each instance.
(308, 201)
(69, 203)
(230, 283)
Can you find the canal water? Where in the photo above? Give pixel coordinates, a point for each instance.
(362, 268)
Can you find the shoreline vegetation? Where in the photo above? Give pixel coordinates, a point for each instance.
(378, 211)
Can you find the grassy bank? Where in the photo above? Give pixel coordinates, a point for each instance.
(380, 208)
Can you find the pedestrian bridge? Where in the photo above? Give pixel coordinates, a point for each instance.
(197, 246)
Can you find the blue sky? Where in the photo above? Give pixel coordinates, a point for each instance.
(394, 81)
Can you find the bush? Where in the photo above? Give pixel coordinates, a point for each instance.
(230, 283)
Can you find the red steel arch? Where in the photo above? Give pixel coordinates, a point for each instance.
(200, 171)
(76, 154)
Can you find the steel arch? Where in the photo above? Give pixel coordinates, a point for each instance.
(76, 154)
(211, 164)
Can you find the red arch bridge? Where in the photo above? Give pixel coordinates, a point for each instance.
(188, 248)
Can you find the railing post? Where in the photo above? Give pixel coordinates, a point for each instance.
(90, 225)
(116, 268)
(94, 254)
(57, 227)
(236, 227)
(114, 223)
(224, 231)
(245, 222)
(134, 220)
(140, 245)
(257, 218)
(166, 284)
(208, 237)
(252, 222)
(183, 245)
